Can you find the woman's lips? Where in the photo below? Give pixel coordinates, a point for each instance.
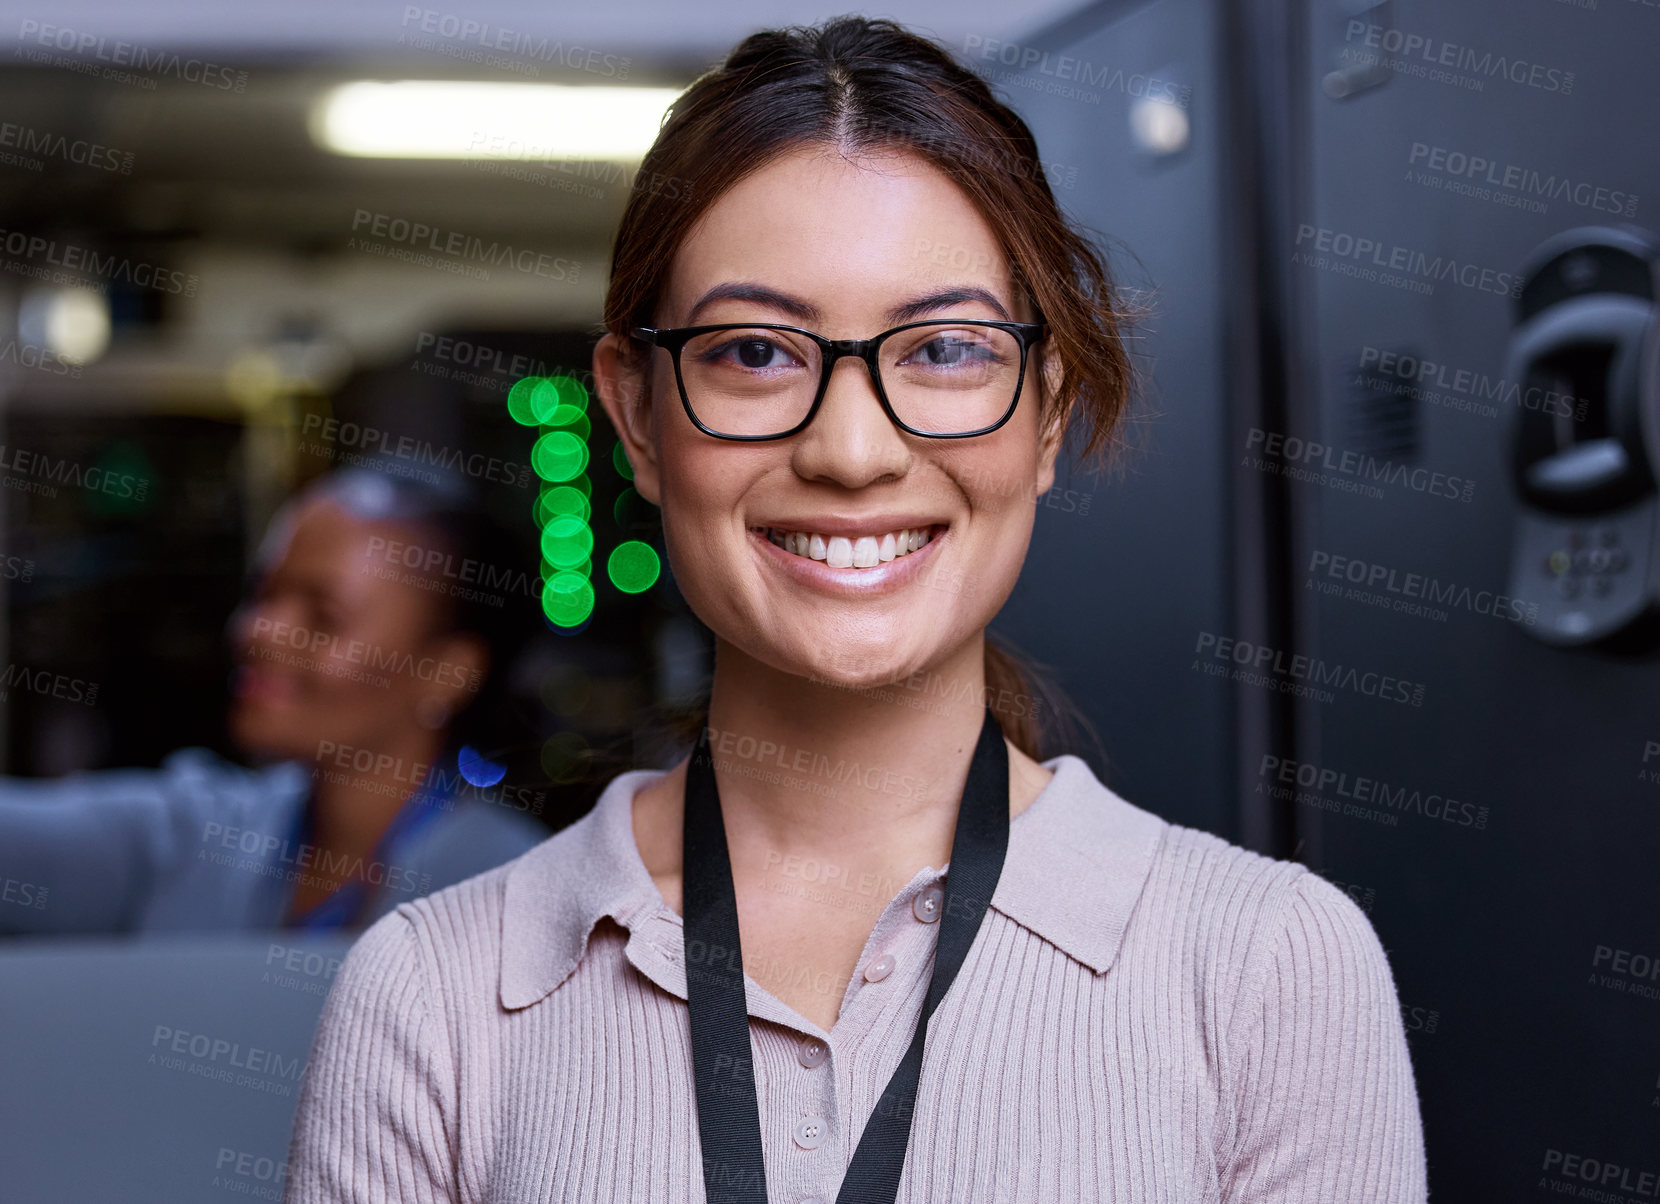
(253, 683)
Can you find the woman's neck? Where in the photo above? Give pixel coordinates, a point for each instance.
(818, 781)
(811, 769)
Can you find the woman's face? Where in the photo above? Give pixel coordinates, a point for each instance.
(334, 646)
(847, 249)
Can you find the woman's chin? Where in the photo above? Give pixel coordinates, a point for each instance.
(867, 670)
(268, 732)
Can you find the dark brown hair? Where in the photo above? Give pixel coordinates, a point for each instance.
(872, 87)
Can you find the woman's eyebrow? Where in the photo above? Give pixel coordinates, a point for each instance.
(805, 311)
(946, 297)
(801, 311)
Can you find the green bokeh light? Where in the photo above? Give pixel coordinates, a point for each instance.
(572, 391)
(559, 456)
(548, 400)
(619, 459)
(544, 399)
(561, 499)
(583, 569)
(127, 480)
(619, 508)
(633, 567)
(569, 418)
(518, 400)
(567, 541)
(567, 599)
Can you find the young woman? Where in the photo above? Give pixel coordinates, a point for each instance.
(862, 944)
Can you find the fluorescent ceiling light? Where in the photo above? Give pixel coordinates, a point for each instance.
(442, 119)
(72, 323)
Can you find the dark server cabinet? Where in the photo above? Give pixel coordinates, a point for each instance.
(1495, 347)
(1127, 568)
(1397, 504)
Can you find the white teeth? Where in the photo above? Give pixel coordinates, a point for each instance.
(840, 551)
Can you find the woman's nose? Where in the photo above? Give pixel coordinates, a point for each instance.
(851, 439)
(239, 626)
(254, 623)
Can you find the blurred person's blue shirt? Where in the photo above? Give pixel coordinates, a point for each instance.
(202, 844)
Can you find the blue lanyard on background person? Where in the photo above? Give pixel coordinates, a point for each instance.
(342, 908)
(728, 1111)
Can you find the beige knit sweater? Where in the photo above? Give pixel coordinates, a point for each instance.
(1148, 1013)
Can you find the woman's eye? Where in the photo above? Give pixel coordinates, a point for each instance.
(947, 350)
(327, 618)
(753, 353)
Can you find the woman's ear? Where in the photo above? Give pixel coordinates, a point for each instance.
(465, 659)
(1052, 433)
(622, 380)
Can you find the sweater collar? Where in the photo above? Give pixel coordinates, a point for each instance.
(1077, 861)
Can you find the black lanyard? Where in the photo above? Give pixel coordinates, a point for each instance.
(728, 1114)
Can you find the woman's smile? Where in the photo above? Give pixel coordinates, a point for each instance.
(850, 563)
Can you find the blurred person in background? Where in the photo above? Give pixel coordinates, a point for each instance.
(363, 666)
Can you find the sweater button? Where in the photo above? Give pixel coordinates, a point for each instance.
(926, 906)
(812, 1053)
(809, 1132)
(879, 968)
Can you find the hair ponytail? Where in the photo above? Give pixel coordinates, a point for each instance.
(1035, 714)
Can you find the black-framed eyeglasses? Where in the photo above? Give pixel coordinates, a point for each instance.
(944, 378)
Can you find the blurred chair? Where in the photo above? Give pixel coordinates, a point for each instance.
(165, 1070)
